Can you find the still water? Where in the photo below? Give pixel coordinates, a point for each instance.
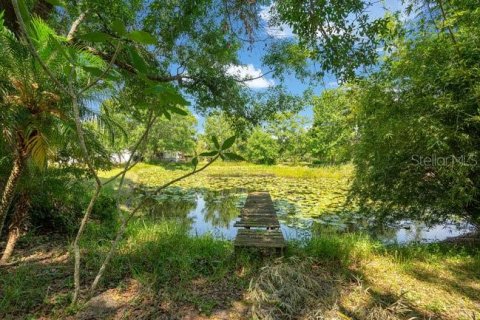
(216, 212)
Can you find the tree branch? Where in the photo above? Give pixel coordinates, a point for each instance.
(129, 68)
(125, 221)
(165, 78)
(254, 78)
(157, 190)
(450, 31)
(104, 73)
(143, 138)
(75, 25)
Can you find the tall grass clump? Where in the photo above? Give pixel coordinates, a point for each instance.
(434, 253)
(346, 248)
(161, 254)
(20, 290)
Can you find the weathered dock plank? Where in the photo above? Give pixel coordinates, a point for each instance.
(259, 212)
(259, 238)
(257, 222)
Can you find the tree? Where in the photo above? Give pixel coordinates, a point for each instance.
(290, 132)
(418, 120)
(327, 34)
(32, 113)
(221, 126)
(333, 130)
(262, 147)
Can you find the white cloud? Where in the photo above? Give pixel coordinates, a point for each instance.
(280, 32)
(249, 71)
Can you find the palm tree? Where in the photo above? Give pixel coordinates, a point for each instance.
(17, 224)
(35, 118)
(30, 112)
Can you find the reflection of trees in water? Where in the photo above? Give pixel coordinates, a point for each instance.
(220, 208)
(397, 231)
(174, 209)
(355, 222)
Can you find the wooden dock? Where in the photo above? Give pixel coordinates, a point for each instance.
(257, 213)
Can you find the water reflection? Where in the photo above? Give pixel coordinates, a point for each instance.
(221, 208)
(410, 231)
(212, 212)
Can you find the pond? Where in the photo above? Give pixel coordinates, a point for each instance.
(215, 212)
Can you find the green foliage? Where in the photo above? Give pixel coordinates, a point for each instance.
(327, 34)
(218, 124)
(262, 148)
(333, 131)
(176, 133)
(290, 131)
(418, 121)
(59, 198)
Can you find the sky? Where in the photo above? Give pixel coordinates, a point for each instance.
(250, 56)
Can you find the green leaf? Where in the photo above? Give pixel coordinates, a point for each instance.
(95, 37)
(209, 153)
(141, 37)
(2, 20)
(137, 60)
(228, 143)
(58, 3)
(167, 93)
(177, 110)
(119, 27)
(167, 115)
(233, 156)
(215, 142)
(195, 161)
(22, 5)
(58, 46)
(97, 72)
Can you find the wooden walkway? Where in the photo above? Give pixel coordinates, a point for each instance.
(259, 212)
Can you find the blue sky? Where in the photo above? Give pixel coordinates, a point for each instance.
(251, 58)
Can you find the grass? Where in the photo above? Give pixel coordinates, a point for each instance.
(161, 272)
(241, 169)
(332, 275)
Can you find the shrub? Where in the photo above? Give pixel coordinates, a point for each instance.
(59, 198)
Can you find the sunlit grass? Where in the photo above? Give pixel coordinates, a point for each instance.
(350, 275)
(391, 282)
(243, 169)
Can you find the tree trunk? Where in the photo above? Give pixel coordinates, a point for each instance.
(9, 191)
(17, 226)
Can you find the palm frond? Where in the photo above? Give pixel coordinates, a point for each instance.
(38, 147)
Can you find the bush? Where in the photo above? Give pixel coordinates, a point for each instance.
(59, 198)
(104, 208)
